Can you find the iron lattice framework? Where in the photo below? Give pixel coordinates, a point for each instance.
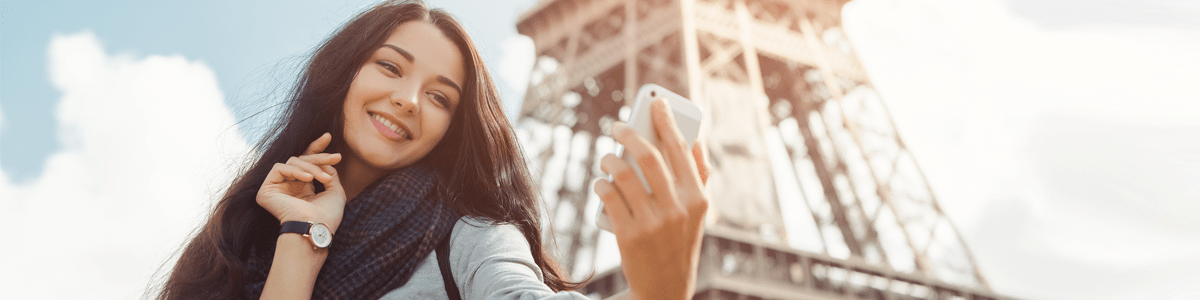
(814, 195)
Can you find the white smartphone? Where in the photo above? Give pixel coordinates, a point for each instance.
(688, 118)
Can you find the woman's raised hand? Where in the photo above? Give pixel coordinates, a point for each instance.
(288, 192)
(658, 233)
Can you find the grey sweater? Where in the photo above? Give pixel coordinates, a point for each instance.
(488, 262)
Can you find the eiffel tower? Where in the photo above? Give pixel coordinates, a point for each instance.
(813, 193)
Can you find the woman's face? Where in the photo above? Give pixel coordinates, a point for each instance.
(400, 103)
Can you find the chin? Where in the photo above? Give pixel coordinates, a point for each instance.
(392, 163)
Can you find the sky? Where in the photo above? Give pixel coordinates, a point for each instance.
(1062, 137)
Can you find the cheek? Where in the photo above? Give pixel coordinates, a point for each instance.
(440, 125)
(365, 85)
(353, 95)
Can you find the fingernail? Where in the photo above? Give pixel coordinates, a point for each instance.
(617, 126)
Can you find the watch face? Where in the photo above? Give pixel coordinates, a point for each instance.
(321, 237)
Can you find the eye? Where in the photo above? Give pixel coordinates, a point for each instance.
(389, 66)
(441, 100)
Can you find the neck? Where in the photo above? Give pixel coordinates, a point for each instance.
(356, 175)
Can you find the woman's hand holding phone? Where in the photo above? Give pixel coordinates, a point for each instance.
(288, 192)
(659, 233)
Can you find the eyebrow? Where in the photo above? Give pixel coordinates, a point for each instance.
(449, 82)
(412, 59)
(403, 53)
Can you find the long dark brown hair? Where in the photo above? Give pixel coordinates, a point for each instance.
(481, 168)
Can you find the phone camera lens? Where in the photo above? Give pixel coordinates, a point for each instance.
(652, 94)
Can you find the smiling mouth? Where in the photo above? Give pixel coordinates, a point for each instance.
(386, 126)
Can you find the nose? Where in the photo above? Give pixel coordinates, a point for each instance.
(408, 102)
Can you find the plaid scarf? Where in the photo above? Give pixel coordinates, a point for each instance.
(385, 234)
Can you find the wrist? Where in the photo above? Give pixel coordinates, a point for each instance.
(622, 295)
(294, 269)
(331, 224)
(300, 247)
(318, 234)
(301, 218)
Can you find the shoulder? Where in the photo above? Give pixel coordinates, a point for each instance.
(493, 261)
(475, 241)
(475, 228)
(485, 256)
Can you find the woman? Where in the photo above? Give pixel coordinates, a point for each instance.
(397, 113)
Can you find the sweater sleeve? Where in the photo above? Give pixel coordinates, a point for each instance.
(493, 262)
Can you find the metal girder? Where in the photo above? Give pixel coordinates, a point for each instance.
(786, 96)
(727, 271)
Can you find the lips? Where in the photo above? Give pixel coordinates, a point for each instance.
(389, 128)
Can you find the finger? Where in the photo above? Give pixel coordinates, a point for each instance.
(649, 161)
(290, 173)
(319, 145)
(615, 205)
(625, 181)
(274, 176)
(321, 159)
(700, 153)
(677, 152)
(336, 182)
(310, 168)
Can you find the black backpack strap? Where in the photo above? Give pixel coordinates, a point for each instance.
(443, 257)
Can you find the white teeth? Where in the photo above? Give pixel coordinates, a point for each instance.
(395, 128)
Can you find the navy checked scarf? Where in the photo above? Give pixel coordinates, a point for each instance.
(386, 232)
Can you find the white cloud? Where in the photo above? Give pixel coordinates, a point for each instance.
(148, 142)
(1091, 130)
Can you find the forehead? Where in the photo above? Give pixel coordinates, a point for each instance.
(433, 52)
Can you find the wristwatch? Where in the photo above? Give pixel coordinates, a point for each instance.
(317, 233)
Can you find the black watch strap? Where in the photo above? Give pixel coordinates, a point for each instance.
(295, 227)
